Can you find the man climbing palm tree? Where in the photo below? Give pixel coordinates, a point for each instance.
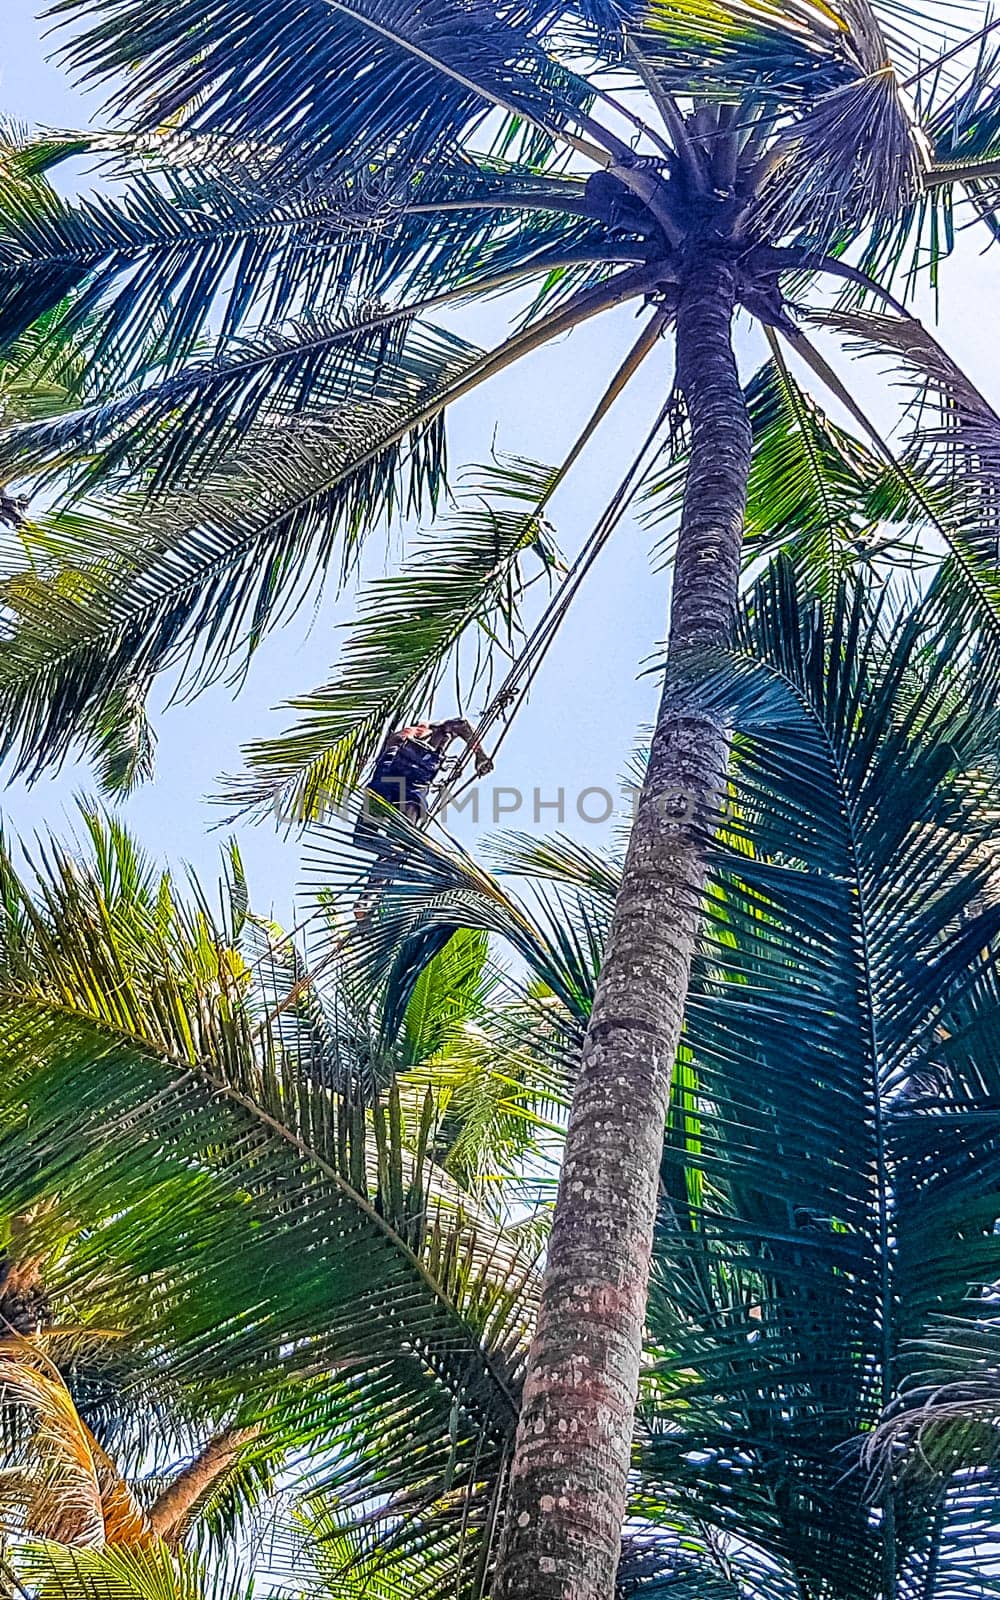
(406, 766)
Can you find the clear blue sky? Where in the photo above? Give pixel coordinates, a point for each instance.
(580, 725)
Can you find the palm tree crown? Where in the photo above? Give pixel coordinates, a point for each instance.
(261, 311)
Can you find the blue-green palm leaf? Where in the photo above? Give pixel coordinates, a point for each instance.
(355, 79)
(847, 922)
(193, 254)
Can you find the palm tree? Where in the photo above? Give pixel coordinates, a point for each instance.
(387, 154)
(61, 1484)
(800, 1296)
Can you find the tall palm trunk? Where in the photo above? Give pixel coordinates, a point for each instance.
(568, 1482)
(171, 1514)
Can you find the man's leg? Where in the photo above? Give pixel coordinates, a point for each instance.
(381, 870)
(379, 875)
(368, 837)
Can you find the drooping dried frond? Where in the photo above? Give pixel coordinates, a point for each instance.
(57, 1482)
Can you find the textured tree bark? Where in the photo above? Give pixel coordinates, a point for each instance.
(171, 1514)
(568, 1486)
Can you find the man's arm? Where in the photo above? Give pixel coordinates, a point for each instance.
(459, 728)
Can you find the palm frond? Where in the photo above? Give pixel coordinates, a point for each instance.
(125, 1574)
(343, 78)
(205, 573)
(558, 860)
(451, 991)
(430, 892)
(845, 922)
(819, 73)
(29, 390)
(123, 742)
(822, 178)
(140, 1085)
(953, 425)
(814, 490)
(962, 123)
(183, 428)
(951, 468)
(60, 1484)
(27, 200)
(174, 242)
(947, 1419)
(192, 255)
(351, 1562)
(684, 1561)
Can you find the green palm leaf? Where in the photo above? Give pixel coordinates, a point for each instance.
(201, 574)
(845, 922)
(433, 890)
(139, 1086)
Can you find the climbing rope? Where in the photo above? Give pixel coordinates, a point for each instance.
(515, 686)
